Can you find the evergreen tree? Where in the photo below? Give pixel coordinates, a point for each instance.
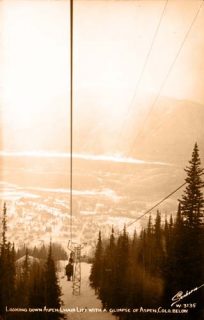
(22, 298)
(121, 269)
(179, 219)
(192, 205)
(25, 268)
(37, 291)
(149, 227)
(9, 275)
(4, 229)
(185, 260)
(146, 248)
(157, 247)
(135, 274)
(192, 202)
(191, 213)
(7, 268)
(173, 267)
(52, 289)
(97, 266)
(109, 277)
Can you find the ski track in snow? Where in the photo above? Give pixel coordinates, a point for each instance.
(87, 297)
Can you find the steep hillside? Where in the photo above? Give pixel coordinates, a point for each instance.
(165, 132)
(170, 131)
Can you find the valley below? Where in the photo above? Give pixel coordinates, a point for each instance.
(106, 194)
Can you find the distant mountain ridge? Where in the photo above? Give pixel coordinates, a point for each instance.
(164, 132)
(170, 134)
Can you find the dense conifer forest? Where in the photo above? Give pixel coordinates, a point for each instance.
(148, 269)
(27, 286)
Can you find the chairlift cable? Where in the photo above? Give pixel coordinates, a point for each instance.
(170, 69)
(75, 255)
(145, 64)
(71, 117)
(156, 205)
(156, 100)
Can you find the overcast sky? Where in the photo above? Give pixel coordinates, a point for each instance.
(112, 40)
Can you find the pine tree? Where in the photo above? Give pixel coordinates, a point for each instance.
(173, 268)
(135, 274)
(3, 262)
(22, 298)
(192, 202)
(121, 268)
(158, 250)
(10, 274)
(97, 266)
(192, 205)
(191, 213)
(4, 229)
(37, 291)
(7, 268)
(108, 283)
(148, 246)
(157, 228)
(149, 227)
(26, 267)
(52, 288)
(185, 261)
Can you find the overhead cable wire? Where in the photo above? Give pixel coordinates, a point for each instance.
(71, 117)
(145, 64)
(156, 205)
(155, 101)
(157, 97)
(170, 69)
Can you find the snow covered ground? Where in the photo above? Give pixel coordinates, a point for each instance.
(78, 307)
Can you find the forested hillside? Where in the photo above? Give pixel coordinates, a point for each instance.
(161, 266)
(28, 285)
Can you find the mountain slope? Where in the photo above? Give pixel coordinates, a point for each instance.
(165, 132)
(170, 131)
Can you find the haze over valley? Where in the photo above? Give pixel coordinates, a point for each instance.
(105, 194)
(138, 109)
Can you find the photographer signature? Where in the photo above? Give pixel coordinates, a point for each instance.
(180, 295)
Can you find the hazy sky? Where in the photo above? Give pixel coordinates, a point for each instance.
(111, 43)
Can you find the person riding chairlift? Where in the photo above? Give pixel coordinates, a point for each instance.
(69, 269)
